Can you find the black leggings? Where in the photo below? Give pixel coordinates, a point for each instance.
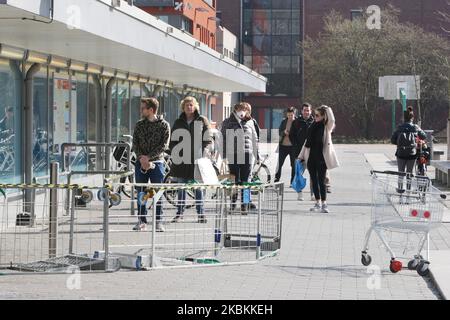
(317, 172)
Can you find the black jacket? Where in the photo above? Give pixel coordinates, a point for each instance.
(299, 131)
(186, 170)
(281, 130)
(408, 127)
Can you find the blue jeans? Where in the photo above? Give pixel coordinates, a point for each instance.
(155, 175)
(182, 198)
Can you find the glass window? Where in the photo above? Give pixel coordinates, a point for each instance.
(135, 105)
(257, 4)
(281, 14)
(282, 4)
(261, 64)
(281, 45)
(10, 121)
(261, 26)
(123, 109)
(43, 131)
(94, 109)
(248, 61)
(280, 84)
(295, 26)
(280, 26)
(281, 64)
(261, 45)
(296, 64)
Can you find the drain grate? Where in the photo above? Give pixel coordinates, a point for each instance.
(59, 264)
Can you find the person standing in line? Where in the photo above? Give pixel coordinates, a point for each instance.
(189, 125)
(405, 137)
(242, 150)
(286, 145)
(319, 154)
(299, 133)
(150, 140)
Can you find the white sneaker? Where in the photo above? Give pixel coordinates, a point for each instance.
(140, 227)
(325, 208)
(300, 196)
(316, 208)
(160, 227)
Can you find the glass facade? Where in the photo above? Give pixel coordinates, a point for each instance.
(10, 121)
(271, 36)
(67, 107)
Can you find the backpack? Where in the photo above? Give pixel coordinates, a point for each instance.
(406, 144)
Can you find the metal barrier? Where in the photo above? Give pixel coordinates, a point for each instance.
(61, 238)
(215, 231)
(238, 224)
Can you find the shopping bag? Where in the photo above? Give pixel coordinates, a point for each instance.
(204, 172)
(299, 182)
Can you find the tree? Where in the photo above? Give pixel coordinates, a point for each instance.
(343, 64)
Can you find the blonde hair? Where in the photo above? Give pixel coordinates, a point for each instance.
(190, 99)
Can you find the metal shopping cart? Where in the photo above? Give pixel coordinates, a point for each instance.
(404, 204)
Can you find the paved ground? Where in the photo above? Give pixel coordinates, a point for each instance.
(320, 258)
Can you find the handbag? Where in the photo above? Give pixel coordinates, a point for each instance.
(204, 172)
(299, 182)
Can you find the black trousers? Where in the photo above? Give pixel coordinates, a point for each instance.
(317, 172)
(283, 152)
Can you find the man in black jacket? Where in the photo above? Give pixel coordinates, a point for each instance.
(299, 132)
(286, 145)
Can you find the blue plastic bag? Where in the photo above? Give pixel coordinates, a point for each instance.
(299, 182)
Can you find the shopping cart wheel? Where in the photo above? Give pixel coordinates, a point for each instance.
(116, 199)
(423, 268)
(87, 196)
(395, 266)
(366, 260)
(101, 195)
(412, 264)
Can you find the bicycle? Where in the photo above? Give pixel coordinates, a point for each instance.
(260, 171)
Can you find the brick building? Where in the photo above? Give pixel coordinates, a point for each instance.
(269, 29)
(196, 17)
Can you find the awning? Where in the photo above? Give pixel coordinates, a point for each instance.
(123, 38)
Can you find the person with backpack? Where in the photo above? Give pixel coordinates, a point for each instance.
(405, 137)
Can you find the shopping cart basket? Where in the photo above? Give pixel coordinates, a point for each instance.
(403, 203)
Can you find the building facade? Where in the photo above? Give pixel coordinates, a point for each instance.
(228, 45)
(196, 17)
(270, 30)
(70, 80)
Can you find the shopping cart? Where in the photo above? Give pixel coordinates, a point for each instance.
(404, 204)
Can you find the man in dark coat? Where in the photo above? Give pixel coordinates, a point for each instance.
(299, 133)
(190, 139)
